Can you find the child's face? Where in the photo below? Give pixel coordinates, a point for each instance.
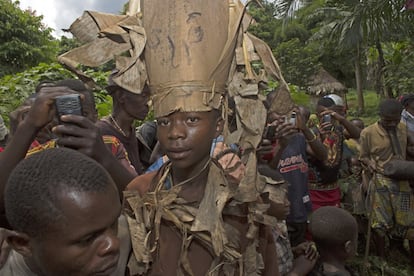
(282, 210)
(186, 137)
(84, 241)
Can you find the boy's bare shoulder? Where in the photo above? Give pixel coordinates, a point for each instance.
(141, 183)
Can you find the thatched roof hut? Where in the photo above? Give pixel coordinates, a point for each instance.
(322, 83)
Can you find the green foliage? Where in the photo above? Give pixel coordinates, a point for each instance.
(66, 44)
(299, 97)
(297, 61)
(370, 114)
(399, 68)
(24, 40)
(14, 89)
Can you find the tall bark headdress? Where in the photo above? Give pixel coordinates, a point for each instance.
(189, 52)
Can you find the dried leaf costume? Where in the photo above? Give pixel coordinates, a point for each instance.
(194, 55)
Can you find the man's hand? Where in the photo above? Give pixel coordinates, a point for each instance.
(81, 134)
(302, 266)
(43, 110)
(308, 249)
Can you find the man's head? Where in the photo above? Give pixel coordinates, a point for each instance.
(358, 123)
(407, 102)
(133, 104)
(323, 104)
(335, 231)
(64, 207)
(390, 113)
(186, 137)
(339, 105)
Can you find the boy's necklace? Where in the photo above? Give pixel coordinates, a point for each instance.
(191, 178)
(116, 125)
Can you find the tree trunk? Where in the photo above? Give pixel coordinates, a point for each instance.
(358, 79)
(386, 91)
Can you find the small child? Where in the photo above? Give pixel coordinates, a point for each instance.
(335, 233)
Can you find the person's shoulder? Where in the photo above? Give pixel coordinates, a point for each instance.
(15, 266)
(103, 123)
(371, 129)
(142, 183)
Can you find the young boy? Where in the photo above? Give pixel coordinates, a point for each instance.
(201, 227)
(189, 218)
(335, 233)
(64, 209)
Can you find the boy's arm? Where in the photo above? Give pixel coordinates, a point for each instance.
(353, 131)
(410, 145)
(41, 113)
(314, 146)
(270, 256)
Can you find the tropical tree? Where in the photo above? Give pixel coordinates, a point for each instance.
(24, 40)
(357, 25)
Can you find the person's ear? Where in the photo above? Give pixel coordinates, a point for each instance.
(20, 242)
(348, 247)
(219, 127)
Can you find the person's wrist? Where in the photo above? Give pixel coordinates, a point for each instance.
(294, 273)
(311, 137)
(29, 126)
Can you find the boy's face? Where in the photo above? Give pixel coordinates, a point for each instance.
(186, 137)
(84, 241)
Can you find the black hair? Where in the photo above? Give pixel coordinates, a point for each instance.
(332, 226)
(406, 99)
(358, 120)
(33, 188)
(42, 84)
(78, 86)
(390, 107)
(326, 102)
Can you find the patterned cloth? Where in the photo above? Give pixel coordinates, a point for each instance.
(283, 248)
(112, 143)
(130, 143)
(393, 206)
(408, 119)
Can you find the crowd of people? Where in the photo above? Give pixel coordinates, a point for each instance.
(62, 183)
(228, 180)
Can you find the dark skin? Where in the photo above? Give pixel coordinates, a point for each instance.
(129, 107)
(305, 253)
(284, 130)
(324, 128)
(186, 139)
(81, 135)
(333, 257)
(83, 242)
